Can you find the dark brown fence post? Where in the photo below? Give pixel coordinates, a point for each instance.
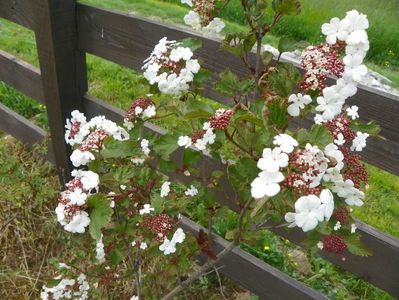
(63, 69)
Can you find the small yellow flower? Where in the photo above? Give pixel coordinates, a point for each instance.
(287, 242)
(266, 248)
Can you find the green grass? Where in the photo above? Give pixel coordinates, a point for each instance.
(118, 85)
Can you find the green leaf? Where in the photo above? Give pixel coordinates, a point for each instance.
(284, 80)
(190, 157)
(100, 214)
(320, 136)
(238, 43)
(277, 113)
(356, 246)
(166, 145)
(245, 169)
(191, 43)
(229, 84)
(195, 109)
(286, 44)
(116, 256)
(119, 149)
(247, 116)
(371, 127)
(267, 57)
(287, 7)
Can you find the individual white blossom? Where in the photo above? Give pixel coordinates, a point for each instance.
(334, 155)
(359, 142)
(266, 184)
(143, 245)
(81, 158)
(320, 245)
(136, 297)
(78, 223)
(122, 187)
(77, 197)
(191, 191)
(335, 30)
(353, 228)
(193, 19)
(307, 213)
(353, 112)
(339, 140)
(285, 142)
(147, 209)
(165, 189)
(273, 160)
(138, 161)
(184, 141)
(337, 226)
(347, 190)
(327, 203)
(169, 246)
(296, 103)
(216, 25)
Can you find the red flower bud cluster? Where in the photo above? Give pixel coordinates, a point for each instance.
(94, 140)
(143, 103)
(205, 8)
(340, 124)
(342, 215)
(221, 120)
(161, 225)
(299, 186)
(334, 243)
(354, 169)
(318, 62)
(197, 136)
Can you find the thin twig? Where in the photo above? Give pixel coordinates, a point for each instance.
(220, 283)
(210, 264)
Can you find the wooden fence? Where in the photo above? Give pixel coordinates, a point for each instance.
(65, 31)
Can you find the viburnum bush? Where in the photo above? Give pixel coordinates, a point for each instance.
(284, 174)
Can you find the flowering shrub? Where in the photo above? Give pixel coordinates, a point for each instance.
(299, 177)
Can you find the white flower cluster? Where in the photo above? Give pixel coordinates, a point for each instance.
(310, 210)
(352, 31)
(169, 246)
(67, 289)
(267, 182)
(191, 191)
(70, 210)
(171, 67)
(194, 20)
(145, 147)
(89, 135)
(146, 113)
(207, 138)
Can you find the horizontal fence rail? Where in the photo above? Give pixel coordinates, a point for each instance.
(22, 76)
(128, 40)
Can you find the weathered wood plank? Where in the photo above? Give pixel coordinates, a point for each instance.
(63, 70)
(21, 75)
(128, 40)
(20, 12)
(385, 248)
(22, 129)
(253, 274)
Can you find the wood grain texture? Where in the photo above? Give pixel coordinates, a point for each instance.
(63, 70)
(22, 12)
(21, 75)
(380, 269)
(22, 129)
(253, 274)
(128, 40)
